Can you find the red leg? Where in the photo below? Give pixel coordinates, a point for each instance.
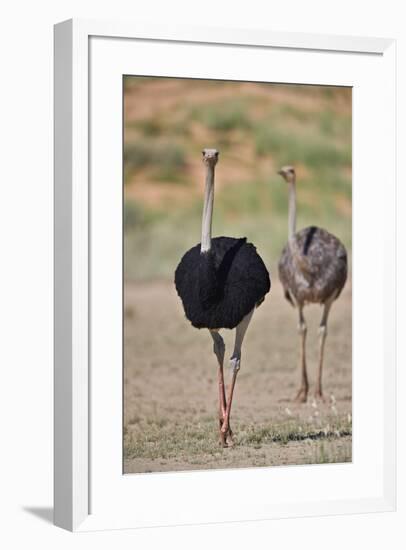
(235, 365)
(222, 403)
(219, 350)
(222, 393)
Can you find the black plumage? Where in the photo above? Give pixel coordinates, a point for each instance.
(220, 287)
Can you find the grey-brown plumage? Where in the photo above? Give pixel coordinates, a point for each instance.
(316, 270)
(312, 269)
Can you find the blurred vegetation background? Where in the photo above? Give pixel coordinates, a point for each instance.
(257, 128)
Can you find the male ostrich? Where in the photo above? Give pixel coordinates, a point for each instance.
(312, 269)
(220, 282)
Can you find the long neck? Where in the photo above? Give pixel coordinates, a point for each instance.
(301, 261)
(207, 209)
(292, 210)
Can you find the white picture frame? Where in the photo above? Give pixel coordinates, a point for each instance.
(90, 491)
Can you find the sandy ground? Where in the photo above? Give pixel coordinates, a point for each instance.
(170, 387)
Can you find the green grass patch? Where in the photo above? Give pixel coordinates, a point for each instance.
(134, 215)
(322, 454)
(166, 159)
(223, 116)
(308, 148)
(155, 438)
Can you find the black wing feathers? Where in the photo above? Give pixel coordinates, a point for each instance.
(220, 287)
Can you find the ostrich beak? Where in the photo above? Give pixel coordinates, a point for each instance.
(280, 172)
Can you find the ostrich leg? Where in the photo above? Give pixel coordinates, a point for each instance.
(235, 362)
(322, 340)
(219, 349)
(301, 396)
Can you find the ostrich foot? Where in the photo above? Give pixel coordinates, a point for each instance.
(226, 436)
(222, 442)
(226, 439)
(230, 439)
(318, 395)
(301, 396)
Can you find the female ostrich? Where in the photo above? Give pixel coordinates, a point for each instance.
(312, 269)
(220, 282)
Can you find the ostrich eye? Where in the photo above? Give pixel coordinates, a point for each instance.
(217, 154)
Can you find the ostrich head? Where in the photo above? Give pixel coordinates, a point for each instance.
(288, 173)
(210, 157)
